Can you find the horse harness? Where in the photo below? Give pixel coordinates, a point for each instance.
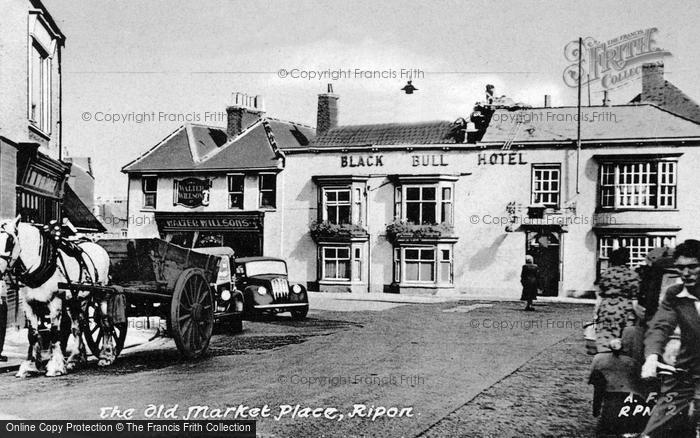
(51, 258)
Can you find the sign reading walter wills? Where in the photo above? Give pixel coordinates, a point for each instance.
(192, 192)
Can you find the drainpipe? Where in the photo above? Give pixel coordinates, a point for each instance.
(60, 105)
(369, 242)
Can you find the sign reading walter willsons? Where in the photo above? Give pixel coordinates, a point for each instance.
(192, 192)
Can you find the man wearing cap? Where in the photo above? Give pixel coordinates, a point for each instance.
(679, 307)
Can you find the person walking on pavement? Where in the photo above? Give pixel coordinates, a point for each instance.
(530, 280)
(679, 307)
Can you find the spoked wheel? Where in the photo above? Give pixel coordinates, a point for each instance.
(192, 313)
(93, 332)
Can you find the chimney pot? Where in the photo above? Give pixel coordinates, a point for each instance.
(327, 113)
(606, 100)
(547, 101)
(245, 111)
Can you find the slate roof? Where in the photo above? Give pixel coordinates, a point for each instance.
(629, 122)
(672, 98)
(198, 147)
(437, 132)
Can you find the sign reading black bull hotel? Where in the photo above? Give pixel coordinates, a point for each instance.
(423, 160)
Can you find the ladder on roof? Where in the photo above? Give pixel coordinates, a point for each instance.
(513, 133)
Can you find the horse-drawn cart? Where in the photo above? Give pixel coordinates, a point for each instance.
(153, 277)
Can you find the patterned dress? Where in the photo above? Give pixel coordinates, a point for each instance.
(618, 288)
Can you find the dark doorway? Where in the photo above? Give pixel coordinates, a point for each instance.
(244, 244)
(544, 247)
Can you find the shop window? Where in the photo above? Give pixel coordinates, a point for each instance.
(268, 190)
(424, 204)
(638, 246)
(336, 263)
(235, 191)
(649, 184)
(40, 88)
(545, 185)
(336, 205)
(149, 186)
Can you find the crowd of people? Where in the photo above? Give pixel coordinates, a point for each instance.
(642, 301)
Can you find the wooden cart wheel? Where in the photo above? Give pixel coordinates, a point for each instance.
(93, 333)
(192, 313)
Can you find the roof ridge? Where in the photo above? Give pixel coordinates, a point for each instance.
(200, 125)
(231, 141)
(290, 122)
(192, 142)
(362, 125)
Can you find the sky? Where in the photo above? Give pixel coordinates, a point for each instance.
(172, 59)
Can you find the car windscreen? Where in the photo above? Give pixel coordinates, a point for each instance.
(264, 267)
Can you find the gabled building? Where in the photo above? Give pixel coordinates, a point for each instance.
(213, 186)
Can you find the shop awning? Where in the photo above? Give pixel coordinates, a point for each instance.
(78, 214)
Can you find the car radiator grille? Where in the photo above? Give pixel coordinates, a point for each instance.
(280, 289)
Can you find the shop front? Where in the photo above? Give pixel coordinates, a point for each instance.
(241, 231)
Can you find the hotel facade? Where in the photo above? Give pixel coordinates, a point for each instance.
(441, 207)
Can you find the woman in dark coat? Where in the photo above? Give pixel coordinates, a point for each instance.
(530, 279)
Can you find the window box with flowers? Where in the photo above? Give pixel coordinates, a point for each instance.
(326, 231)
(399, 231)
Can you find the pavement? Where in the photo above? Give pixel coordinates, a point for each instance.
(141, 331)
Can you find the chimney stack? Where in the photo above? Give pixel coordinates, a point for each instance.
(606, 100)
(327, 114)
(653, 81)
(244, 111)
(547, 100)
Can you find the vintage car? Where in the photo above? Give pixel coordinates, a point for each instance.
(266, 288)
(229, 300)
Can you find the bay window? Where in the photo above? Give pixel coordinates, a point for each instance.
(424, 204)
(638, 245)
(337, 205)
(426, 265)
(335, 262)
(647, 184)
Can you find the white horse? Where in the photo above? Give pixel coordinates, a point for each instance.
(39, 264)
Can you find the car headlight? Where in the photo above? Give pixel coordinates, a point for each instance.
(296, 289)
(225, 295)
(262, 290)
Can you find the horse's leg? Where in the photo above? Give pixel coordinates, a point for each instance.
(29, 366)
(108, 350)
(75, 347)
(57, 363)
